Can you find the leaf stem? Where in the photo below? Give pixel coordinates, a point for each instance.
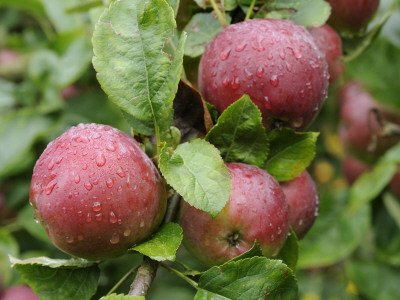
(122, 280)
(218, 13)
(187, 279)
(248, 15)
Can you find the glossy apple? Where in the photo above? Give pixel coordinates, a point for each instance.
(303, 200)
(96, 192)
(257, 210)
(330, 43)
(275, 62)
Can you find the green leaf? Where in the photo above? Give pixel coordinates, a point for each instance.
(197, 172)
(8, 246)
(59, 279)
(290, 153)
(174, 5)
(19, 130)
(206, 295)
(385, 283)
(133, 68)
(201, 29)
(164, 244)
(342, 232)
(254, 251)
(239, 134)
(121, 297)
(305, 12)
(63, 22)
(84, 6)
(32, 6)
(252, 278)
(372, 183)
(393, 207)
(289, 253)
(7, 95)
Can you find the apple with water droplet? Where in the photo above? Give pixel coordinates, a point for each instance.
(330, 43)
(275, 62)
(96, 192)
(303, 200)
(350, 17)
(256, 210)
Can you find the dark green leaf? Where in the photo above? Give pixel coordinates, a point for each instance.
(8, 246)
(290, 153)
(59, 279)
(252, 278)
(197, 172)
(133, 68)
(164, 244)
(254, 251)
(206, 295)
(385, 283)
(32, 6)
(289, 253)
(121, 297)
(201, 29)
(393, 207)
(239, 134)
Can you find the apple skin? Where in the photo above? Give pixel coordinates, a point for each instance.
(330, 43)
(349, 17)
(96, 192)
(256, 210)
(359, 126)
(303, 200)
(275, 62)
(19, 292)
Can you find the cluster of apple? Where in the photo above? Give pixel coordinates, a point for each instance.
(97, 193)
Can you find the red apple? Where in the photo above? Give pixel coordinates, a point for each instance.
(19, 292)
(330, 43)
(96, 192)
(303, 200)
(275, 62)
(353, 168)
(350, 17)
(360, 130)
(257, 210)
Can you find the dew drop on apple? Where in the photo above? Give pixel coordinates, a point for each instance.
(69, 239)
(99, 217)
(96, 206)
(100, 160)
(225, 81)
(141, 224)
(225, 54)
(77, 179)
(274, 80)
(249, 75)
(88, 186)
(260, 72)
(267, 103)
(120, 172)
(59, 159)
(50, 165)
(235, 83)
(109, 183)
(112, 218)
(111, 147)
(114, 238)
(96, 136)
(88, 218)
(50, 186)
(84, 167)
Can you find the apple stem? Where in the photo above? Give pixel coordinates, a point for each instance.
(219, 14)
(184, 277)
(248, 15)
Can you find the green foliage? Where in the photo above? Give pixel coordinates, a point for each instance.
(289, 253)
(252, 278)
(290, 153)
(254, 251)
(240, 135)
(8, 246)
(59, 279)
(121, 297)
(197, 172)
(133, 69)
(164, 244)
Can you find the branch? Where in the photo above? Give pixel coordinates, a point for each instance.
(148, 268)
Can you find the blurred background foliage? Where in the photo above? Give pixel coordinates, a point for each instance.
(47, 84)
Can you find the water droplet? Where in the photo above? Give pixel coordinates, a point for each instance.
(50, 165)
(96, 135)
(274, 80)
(141, 224)
(35, 220)
(225, 54)
(260, 72)
(95, 182)
(213, 73)
(127, 232)
(88, 218)
(309, 85)
(249, 75)
(77, 179)
(267, 103)
(69, 239)
(270, 56)
(80, 213)
(282, 54)
(88, 186)
(235, 83)
(302, 94)
(96, 206)
(91, 175)
(64, 210)
(114, 238)
(314, 64)
(225, 81)
(59, 159)
(119, 189)
(272, 238)
(50, 186)
(113, 219)
(240, 47)
(111, 147)
(120, 172)
(109, 183)
(100, 160)
(84, 167)
(99, 217)
(53, 175)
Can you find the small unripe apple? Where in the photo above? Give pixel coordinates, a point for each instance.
(19, 292)
(359, 129)
(303, 200)
(353, 168)
(350, 17)
(330, 43)
(275, 62)
(256, 210)
(96, 192)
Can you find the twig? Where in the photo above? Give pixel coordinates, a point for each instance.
(248, 15)
(218, 13)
